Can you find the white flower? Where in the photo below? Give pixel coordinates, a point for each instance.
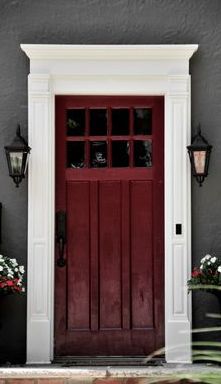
(14, 262)
(219, 269)
(11, 269)
(21, 269)
(208, 263)
(201, 267)
(213, 260)
(205, 258)
(10, 276)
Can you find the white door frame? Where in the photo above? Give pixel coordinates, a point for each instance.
(108, 70)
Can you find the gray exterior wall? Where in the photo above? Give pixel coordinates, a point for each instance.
(107, 22)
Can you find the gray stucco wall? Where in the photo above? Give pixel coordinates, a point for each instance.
(108, 22)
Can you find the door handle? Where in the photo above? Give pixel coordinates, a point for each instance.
(61, 237)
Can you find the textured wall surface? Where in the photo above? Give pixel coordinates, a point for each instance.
(108, 22)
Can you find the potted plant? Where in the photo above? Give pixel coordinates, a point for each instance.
(11, 276)
(11, 302)
(207, 276)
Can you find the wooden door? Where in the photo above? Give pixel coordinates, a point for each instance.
(109, 297)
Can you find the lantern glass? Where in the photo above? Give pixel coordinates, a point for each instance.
(16, 160)
(199, 162)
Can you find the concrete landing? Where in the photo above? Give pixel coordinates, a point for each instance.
(178, 374)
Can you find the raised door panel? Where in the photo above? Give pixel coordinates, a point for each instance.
(142, 276)
(110, 278)
(78, 268)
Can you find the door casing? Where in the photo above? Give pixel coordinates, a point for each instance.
(114, 70)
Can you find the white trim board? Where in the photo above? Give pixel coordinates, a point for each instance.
(110, 70)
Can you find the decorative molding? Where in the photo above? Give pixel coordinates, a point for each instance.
(109, 52)
(39, 84)
(128, 70)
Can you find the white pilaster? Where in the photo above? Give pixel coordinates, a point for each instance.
(40, 220)
(177, 211)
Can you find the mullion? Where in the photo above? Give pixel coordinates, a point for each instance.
(131, 144)
(87, 144)
(109, 138)
(104, 138)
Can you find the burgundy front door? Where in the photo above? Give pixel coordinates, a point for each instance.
(109, 296)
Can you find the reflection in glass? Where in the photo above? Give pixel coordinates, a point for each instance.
(143, 153)
(16, 162)
(120, 153)
(120, 121)
(98, 154)
(75, 154)
(98, 122)
(75, 122)
(199, 161)
(143, 121)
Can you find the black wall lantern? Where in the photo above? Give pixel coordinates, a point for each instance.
(17, 157)
(199, 153)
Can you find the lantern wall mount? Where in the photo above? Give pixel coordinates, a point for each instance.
(17, 154)
(199, 153)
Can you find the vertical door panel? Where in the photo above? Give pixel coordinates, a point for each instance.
(110, 254)
(78, 297)
(141, 254)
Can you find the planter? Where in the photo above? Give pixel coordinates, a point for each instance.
(12, 328)
(217, 294)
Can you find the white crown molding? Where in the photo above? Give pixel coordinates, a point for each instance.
(109, 52)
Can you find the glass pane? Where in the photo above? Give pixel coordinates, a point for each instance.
(142, 121)
(16, 162)
(75, 122)
(98, 150)
(120, 122)
(120, 153)
(75, 154)
(98, 122)
(143, 153)
(199, 161)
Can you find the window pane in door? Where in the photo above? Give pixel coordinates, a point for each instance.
(120, 153)
(75, 154)
(143, 153)
(142, 121)
(75, 122)
(120, 121)
(98, 122)
(98, 154)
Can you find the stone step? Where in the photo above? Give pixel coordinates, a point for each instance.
(168, 373)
